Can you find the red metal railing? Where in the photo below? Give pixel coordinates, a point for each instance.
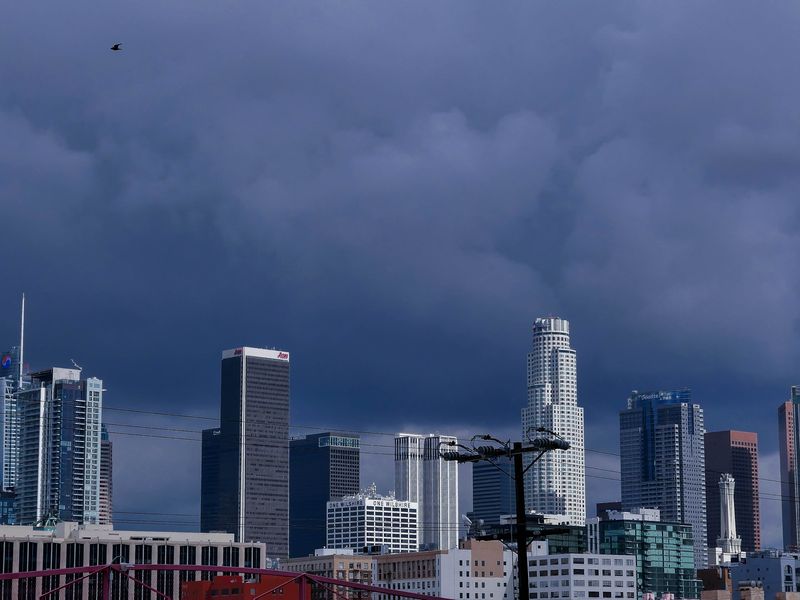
(301, 579)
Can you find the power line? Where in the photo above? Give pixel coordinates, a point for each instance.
(762, 494)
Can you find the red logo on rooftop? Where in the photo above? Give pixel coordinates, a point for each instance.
(283, 355)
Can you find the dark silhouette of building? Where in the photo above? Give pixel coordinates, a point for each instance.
(788, 418)
(322, 467)
(8, 507)
(106, 478)
(603, 508)
(493, 490)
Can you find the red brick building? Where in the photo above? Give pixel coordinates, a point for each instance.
(234, 587)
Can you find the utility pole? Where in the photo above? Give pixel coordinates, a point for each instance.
(522, 522)
(517, 452)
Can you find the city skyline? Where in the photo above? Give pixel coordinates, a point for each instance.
(465, 491)
(398, 213)
(261, 262)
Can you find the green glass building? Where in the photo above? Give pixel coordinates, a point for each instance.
(664, 553)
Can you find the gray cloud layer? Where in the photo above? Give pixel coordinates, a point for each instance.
(393, 191)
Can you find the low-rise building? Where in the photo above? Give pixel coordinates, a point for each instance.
(664, 552)
(479, 570)
(236, 587)
(562, 537)
(335, 564)
(581, 575)
(27, 548)
(773, 571)
(369, 519)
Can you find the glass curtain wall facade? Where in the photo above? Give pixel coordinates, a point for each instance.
(664, 555)
(662, 460)
(493, 490)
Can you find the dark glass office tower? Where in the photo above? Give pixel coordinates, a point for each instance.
(106, 477)
(323, 467)
(245, 472)
(493, 490)
(663, 460)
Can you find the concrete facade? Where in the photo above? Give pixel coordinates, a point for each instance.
(368, 519)
(25, 548)
(477, 571)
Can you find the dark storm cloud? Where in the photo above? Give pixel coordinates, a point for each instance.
(393, 191)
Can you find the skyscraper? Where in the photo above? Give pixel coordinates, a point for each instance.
(12, 380)
(556, 484)
(60, 456)
(322, 467)
(440, 518)
(422, 476)
(245, 471)
(106, 478)
(734, 452)
(493, 490)
(9, 428)
(408, 450)
(789, 442)
(663, 460)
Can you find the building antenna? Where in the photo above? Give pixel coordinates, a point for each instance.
(22, 342)
(76, 365)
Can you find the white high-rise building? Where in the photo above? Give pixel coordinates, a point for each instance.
(556, 484)
(408, 450)
(422, 476)
(440, 519)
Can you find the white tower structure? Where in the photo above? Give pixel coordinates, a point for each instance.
(422, 476)
(408, 449)
(556, 484)
(440, 518)
(728, 540)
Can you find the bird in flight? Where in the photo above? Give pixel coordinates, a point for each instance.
(116, 47)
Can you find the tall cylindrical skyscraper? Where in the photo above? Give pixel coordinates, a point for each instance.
(557, 483)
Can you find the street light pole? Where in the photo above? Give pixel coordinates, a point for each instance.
(517, 452)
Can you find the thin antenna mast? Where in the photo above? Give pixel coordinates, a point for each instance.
(21, 342)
